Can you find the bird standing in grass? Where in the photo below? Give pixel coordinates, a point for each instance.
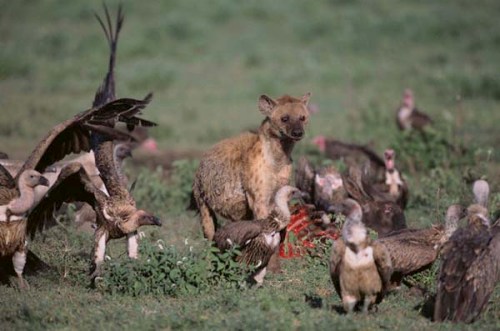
(258, 240)
(360, 269)
(470, 266)
(408, 117)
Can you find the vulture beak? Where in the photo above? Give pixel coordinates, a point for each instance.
(156, 221)
(43, 181)
(299, 195)
(127, 153)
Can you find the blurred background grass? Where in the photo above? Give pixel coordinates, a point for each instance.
(208, 61)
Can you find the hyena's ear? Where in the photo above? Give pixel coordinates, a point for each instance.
(266, 105)
(305, 98)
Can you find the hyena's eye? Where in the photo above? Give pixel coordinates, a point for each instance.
(302, 118)
(285, 118)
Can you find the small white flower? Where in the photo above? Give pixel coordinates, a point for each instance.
(190, 248)
(160, 243)
(186, 242)
(107, 257)
(141, 234)
(179, 262)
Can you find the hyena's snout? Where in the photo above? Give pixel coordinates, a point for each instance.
(297, 131)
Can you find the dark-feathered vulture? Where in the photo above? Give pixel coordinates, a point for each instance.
(324, 186)
(393, 187)
(258, 240)
(408, 117)
(352, 154)
(359, 268)
(470, 268)
(382, 216)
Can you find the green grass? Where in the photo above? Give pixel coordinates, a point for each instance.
(207, 63)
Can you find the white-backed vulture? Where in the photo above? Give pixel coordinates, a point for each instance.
(360, 269)
(258, 240)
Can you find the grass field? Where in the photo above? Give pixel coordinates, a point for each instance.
(207, 62)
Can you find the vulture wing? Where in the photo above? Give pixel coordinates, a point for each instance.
(237, 233)
(6, 180)
(336, 256)
(459, 254)
(304, 176)
(383, 261)
(73, 135)
(73, 184)
(8, 187)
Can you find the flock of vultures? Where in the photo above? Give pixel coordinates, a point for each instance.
(246, 180)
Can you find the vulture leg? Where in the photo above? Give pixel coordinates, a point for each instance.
(101, 238)
(349, 303)
(369, 299)
(19, 261)
(259, 276)
(132, 245)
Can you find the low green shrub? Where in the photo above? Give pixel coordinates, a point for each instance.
(168, 270)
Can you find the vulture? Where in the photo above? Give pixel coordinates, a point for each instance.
(324, 187)
(470, 266)
(258, 240)
(352, 154)
(394, 187)
(408, 117)
(116, 211)
(415, 250)
(17, 193)
(121, 151)
(360, 268)
(80, 133)
(382, 216)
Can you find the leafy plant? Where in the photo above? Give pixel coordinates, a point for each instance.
(167, 270)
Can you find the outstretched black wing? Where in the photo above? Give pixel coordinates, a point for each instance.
(73, 135)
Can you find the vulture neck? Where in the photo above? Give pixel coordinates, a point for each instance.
(393, 179)
(118, 162)
(104, 161)
(281, 201)
(24, 202)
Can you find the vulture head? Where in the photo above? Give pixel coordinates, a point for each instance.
(32, 178)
